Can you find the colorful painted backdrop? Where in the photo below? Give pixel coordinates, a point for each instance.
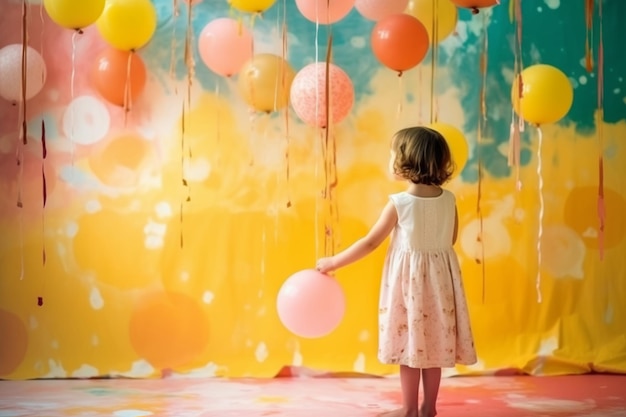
(173, 213)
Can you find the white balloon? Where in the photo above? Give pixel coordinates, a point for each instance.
(11, 70)
(86, 120)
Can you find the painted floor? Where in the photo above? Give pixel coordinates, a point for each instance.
(484, 396)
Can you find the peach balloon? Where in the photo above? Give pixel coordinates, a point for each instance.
(323, 11)
(474, 5)
(225, 45)
(308, 94)
(400, 42)
(113, 75)
(311, 304)
(379, 9)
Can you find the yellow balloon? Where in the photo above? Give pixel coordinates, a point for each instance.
(252, 6)
(456, 142)
(447, 16)
(127, 24)
(74, 14)
(265, 81)
(547, 94)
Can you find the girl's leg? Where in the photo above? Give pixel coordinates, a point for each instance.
(431, 379)
(410, 382)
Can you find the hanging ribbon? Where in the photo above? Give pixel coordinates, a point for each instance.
(517, 122)
(189, 60)
(482, 124)
(434, 45)
(541, 210)
(173, 58)
(589, 5)
(285, 35)
(183, 177)
(600, 126)
(44, 154)
(330, 158)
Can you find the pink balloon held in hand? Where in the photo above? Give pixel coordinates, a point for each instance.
(311, 304)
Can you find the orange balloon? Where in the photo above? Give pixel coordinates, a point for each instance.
(474, 5)
(112, 76)
(400, 42)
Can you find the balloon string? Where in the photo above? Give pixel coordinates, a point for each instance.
(72, 80)
(127, 87)
(541, 211)
(173, 42)
(24, 69)
(420, 110)
(400, 97)
(24, 132)
(480, 258)
(589, 35)
(189, 60)
(434, 42)
(318, 144)
(517, 126)
(600, 125)
(182, 169)
(330, 157)
(285, 34)
(44, 154)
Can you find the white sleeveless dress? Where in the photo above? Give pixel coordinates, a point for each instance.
(423, 316)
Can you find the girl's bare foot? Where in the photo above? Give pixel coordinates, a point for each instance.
(401, 412)
(426, 412)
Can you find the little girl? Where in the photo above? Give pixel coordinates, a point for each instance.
(423, 318)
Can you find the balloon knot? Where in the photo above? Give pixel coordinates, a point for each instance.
(399, 74)
(475, 10)
(79, 31)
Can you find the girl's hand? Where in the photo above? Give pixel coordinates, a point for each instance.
(325, 265)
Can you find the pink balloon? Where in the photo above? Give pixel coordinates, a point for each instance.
(379, 9)
(308, 94)
(225, 45)
(320, 11)
(311, 304)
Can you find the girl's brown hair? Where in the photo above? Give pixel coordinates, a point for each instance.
(422, 156)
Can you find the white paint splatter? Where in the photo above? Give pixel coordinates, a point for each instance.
(71, 229)
(85, 371)
(297, 358)
(153, 242)
(93, 206)
(139, 369)
(359, 363)
(95, 299)
(582, 80)
(553, 4)
(358, 42)
(55, 370)
(32, 321)
(207, 297)
(163, 210)
(261, 352)
(95, 340)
